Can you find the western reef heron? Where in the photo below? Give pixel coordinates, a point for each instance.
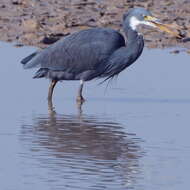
(93, 53)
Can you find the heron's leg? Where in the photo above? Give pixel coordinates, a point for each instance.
(51, 87)
(80, 98)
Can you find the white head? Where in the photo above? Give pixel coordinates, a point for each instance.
(137, 16)
(134, 22)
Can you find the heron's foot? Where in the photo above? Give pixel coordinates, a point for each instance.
(80, 100)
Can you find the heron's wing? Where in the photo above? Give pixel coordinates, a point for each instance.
(122, 58)
(78, 52)
(118, 61)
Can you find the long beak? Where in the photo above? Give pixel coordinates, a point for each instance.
(169, 28)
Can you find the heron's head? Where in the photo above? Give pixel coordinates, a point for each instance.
(140, 16)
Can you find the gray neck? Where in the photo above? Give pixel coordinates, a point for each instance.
(135, 42)
(132, 35)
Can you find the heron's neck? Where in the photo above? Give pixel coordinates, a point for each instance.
(132, 35)
(135, 43)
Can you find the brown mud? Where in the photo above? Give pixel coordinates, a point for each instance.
(42, 22)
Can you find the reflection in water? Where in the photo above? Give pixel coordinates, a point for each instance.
(51, 108)
(82, 152)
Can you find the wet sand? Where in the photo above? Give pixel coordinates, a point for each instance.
(40, 23)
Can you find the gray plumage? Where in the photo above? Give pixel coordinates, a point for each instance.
(89, 54)
(82, 55)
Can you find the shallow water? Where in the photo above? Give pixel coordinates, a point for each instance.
(132, 134)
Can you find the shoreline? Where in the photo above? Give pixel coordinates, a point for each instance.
(40, 23)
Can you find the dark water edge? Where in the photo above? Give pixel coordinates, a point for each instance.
(134, 134)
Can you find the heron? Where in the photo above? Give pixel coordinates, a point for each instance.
(93, 53)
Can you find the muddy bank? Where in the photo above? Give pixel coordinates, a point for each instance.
(39, 23)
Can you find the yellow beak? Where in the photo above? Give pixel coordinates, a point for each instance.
(169, 28)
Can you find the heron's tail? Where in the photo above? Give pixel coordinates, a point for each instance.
(28, 58)
(42, 72)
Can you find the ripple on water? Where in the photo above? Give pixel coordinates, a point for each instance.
(81, 151)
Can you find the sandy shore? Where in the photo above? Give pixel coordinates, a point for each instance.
(40, 23)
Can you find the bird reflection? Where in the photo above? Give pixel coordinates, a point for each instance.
(51, 108)
(86, 144)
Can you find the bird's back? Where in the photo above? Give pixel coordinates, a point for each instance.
(81, 53)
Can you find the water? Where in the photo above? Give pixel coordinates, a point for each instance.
(132, 135)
